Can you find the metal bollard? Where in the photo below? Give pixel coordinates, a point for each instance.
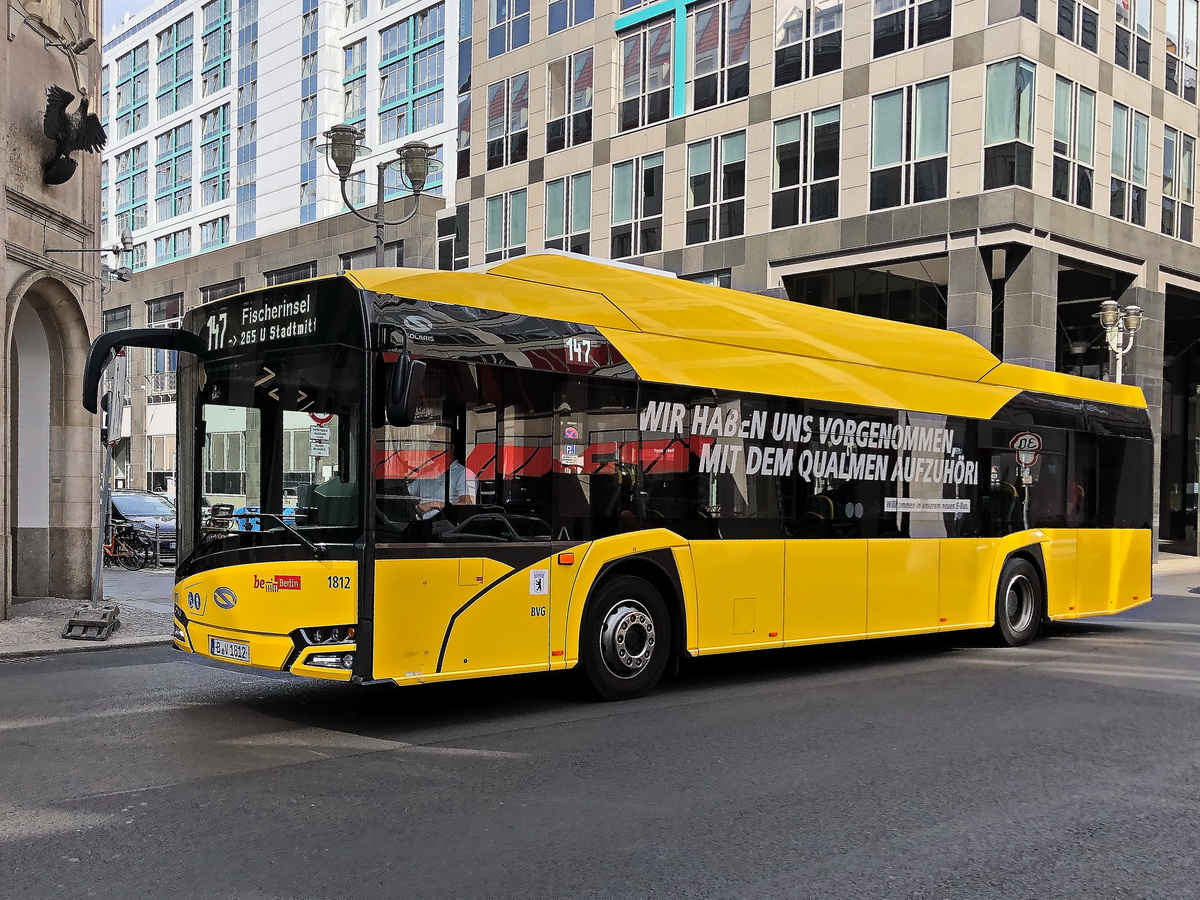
(156, 562)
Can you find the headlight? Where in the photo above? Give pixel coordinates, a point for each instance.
(331, 660)
(328, 634)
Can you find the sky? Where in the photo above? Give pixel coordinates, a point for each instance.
(114, 10)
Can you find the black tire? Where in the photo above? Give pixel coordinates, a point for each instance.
(1020, 602)
(625, 640)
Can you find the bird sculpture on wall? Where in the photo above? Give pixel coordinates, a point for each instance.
(80, 130)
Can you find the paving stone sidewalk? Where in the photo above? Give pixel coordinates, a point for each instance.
(144, 599)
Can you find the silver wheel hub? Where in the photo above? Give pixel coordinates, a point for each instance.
(1020, 605)
(627, 638)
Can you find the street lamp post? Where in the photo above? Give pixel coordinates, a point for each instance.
(345, 147)
(1119, 324)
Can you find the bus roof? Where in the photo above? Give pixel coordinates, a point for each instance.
(642, 313)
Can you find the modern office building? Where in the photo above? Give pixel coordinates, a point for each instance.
(50, 311)
(997, 167)
(215, 112)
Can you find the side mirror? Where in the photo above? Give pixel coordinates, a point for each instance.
(403, 390)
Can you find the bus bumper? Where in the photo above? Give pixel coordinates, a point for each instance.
(277, 652)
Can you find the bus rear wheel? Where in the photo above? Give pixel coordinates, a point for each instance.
(1019, 603)
(625, 639)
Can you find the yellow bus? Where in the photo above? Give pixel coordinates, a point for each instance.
(557, 463)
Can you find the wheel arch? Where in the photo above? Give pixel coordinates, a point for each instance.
(659, 569)
(1031, 553)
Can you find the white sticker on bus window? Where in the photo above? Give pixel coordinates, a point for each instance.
(926, 504)
(539, 581)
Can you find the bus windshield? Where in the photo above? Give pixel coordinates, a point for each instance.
(277, 448)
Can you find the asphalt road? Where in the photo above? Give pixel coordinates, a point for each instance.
(930, 768)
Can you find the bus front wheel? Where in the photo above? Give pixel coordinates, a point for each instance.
(1018, 603)
(626, 638)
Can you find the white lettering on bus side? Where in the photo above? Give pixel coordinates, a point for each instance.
(924, 454)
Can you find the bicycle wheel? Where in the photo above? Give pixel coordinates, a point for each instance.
(133, 554)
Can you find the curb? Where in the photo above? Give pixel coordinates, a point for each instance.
(85, 647)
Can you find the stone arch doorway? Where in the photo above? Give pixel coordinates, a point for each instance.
(50, 484)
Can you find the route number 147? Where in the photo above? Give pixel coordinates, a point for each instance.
(578, 350)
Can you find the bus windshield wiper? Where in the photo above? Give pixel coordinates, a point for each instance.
(320, 551)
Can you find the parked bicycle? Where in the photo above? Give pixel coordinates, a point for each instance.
(128, 549)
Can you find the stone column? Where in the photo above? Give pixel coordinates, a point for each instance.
(1031, 307)
(969, 296)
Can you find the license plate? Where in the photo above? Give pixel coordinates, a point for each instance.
(229, 649)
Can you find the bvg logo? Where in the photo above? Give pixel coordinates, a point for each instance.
(224, 598)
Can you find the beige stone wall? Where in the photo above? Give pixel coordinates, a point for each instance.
(60, 288)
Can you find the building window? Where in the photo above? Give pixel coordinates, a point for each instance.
(716, 188)
(160, 461)
(214, 233)
(454, 249)
(569, 213)
(291, 273)
(104, 97)
(565, 13)
(132, 99)
(808, 39)
(1008, 124)
(909, 144)
(356, 11)
(719, 38)
(1181, 31)
(1179, 184)
(569, 101)
(646, 62)
(808, 150)
(1132, 50)
(131, 179)
(354, 95)
(165, 312)
(224, 464)
(1130, 164)
(173, 172)
(1074, 142)
(508, 121)
(393, 255)
(117, 319)
(138, 257)
(1078, 21)
(411, 74)
(904, 24)
(723, 278)
(463, 142)
(637, 206)
(211, 292)
(215, 47)
(176, 245)
(214, 155)
(174, 67)
(356, 58)
(505, 226)
(508, 25)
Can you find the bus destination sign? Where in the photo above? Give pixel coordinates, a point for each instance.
(262, 319)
